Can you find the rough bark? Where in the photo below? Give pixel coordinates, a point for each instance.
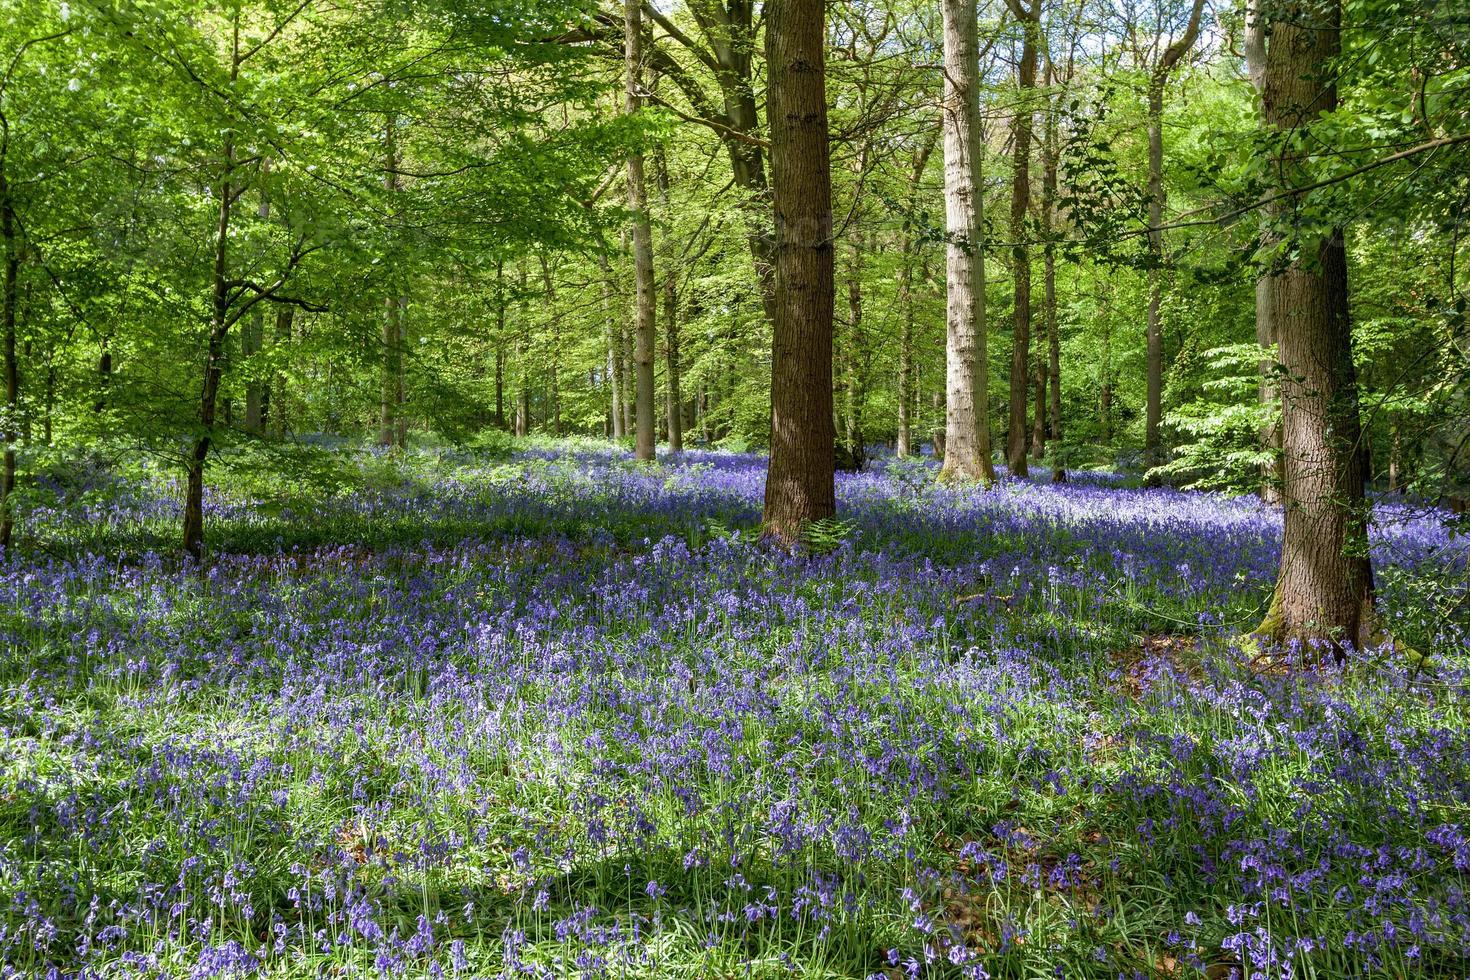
(1324, 591)
(645, 327)
(1016, 434)
(966, 442)
(799, 479)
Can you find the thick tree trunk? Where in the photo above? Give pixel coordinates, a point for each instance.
(10, 239)
(966, 443)
(1324, 592)
(645, 329)
(1016, 434)
(799, 479)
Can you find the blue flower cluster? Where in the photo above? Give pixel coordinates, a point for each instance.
(565, 717)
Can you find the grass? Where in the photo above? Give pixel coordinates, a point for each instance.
(559, 715)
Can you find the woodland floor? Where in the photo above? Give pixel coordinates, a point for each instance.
(554, 714)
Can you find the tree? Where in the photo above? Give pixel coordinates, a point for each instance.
(1021, 133)
(1324, 590)
(1159, 66)
(967, 388)
(799, 478)
(644, 331)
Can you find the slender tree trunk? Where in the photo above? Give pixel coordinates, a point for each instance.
(10, 234)
(1038, 414)
(614, 349)
(500, 344)
(856, 387)
(1049, 286)
(1324, 591)
(104, 374)
(1158, 78)
(1153, 409)
(1016, 435)
(213, 357)
(548, 285)
(908, 248)
(392, 324)
(671, 359)
(671, 319)
(966, 443)
(279, 420)
(645, 330)
(1395, 457)
(799, 480)
(1272, 474)
(252, 342)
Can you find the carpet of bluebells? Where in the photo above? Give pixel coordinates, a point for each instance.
(558, 715)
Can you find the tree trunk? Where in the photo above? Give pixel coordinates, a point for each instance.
(966, 443)
(1038, 414)
(1324, 592)
(799, 479)
(644, 333)
(1153, 409)
(1049, 287)
(614, 348)
(671, 319)
(280, 422)
(1157, 79)
(104, 374)
(252, 342)
(904, 445)
(1016, 435)
(10, 234)
(213, 356)
(388, 395)
(856, 388)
